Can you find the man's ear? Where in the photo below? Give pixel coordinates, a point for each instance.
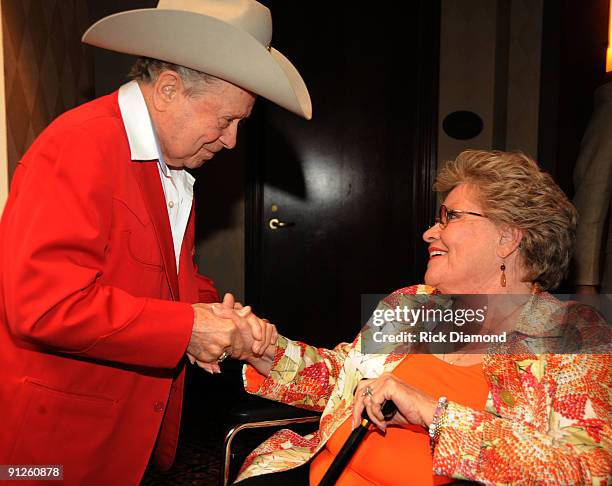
(166, 89)
(509, 240)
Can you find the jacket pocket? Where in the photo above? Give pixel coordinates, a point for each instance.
(133, 236)
(60, 426)
(142, 251)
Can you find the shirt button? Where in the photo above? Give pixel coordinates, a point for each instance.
(158, 407)
(170, 204)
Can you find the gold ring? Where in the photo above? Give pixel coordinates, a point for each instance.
(223, 357)
(368, 392)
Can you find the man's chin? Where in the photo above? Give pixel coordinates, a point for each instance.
(199, 162)
(205, 156)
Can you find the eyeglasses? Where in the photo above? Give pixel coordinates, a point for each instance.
(445, 215)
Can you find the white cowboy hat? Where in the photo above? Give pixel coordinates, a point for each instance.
(228, 39)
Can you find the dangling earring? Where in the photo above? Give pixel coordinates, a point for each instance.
(502, 278)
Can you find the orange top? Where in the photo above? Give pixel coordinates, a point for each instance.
(402, 455)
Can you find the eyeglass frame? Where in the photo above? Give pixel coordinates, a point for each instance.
(444, 209)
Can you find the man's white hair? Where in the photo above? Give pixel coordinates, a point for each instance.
(147, 70)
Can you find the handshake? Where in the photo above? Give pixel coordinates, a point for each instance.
(229, 329)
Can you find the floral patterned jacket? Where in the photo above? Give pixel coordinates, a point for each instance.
(546, 421)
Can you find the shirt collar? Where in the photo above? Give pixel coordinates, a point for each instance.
(138, 126)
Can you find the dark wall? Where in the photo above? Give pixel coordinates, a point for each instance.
(111, 68)
(573, 65)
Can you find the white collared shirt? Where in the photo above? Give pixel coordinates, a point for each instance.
(177, 184)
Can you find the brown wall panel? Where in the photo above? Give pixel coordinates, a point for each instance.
(47, 69)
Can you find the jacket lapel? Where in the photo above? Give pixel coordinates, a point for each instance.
(153, 195)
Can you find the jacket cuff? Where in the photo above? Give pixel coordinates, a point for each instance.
(458, 450)
(258, 384)
(253, 379)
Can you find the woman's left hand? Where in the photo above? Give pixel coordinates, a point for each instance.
(413, 406)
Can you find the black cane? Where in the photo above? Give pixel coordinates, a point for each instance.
(352, 443)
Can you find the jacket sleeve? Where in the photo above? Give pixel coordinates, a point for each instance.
(571, 447)
(301, 375)
(305, 376)
(593, 184)
(55, 233)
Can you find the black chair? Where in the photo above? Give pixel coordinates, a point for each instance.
(254, 413)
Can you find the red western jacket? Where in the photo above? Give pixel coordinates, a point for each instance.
(92, 333)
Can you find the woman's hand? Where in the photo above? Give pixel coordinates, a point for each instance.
(260, 333)
(413, 406)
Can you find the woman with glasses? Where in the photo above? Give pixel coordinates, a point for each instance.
(530, 412)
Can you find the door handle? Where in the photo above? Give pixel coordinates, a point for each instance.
(275, 224)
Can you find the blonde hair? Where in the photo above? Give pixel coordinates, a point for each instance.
(514, 191)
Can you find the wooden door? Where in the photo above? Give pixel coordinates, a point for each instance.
(355, 182)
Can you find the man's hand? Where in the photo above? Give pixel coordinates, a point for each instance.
(256, 334)
(213, 335)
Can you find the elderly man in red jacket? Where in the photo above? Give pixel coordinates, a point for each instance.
(100, 299)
